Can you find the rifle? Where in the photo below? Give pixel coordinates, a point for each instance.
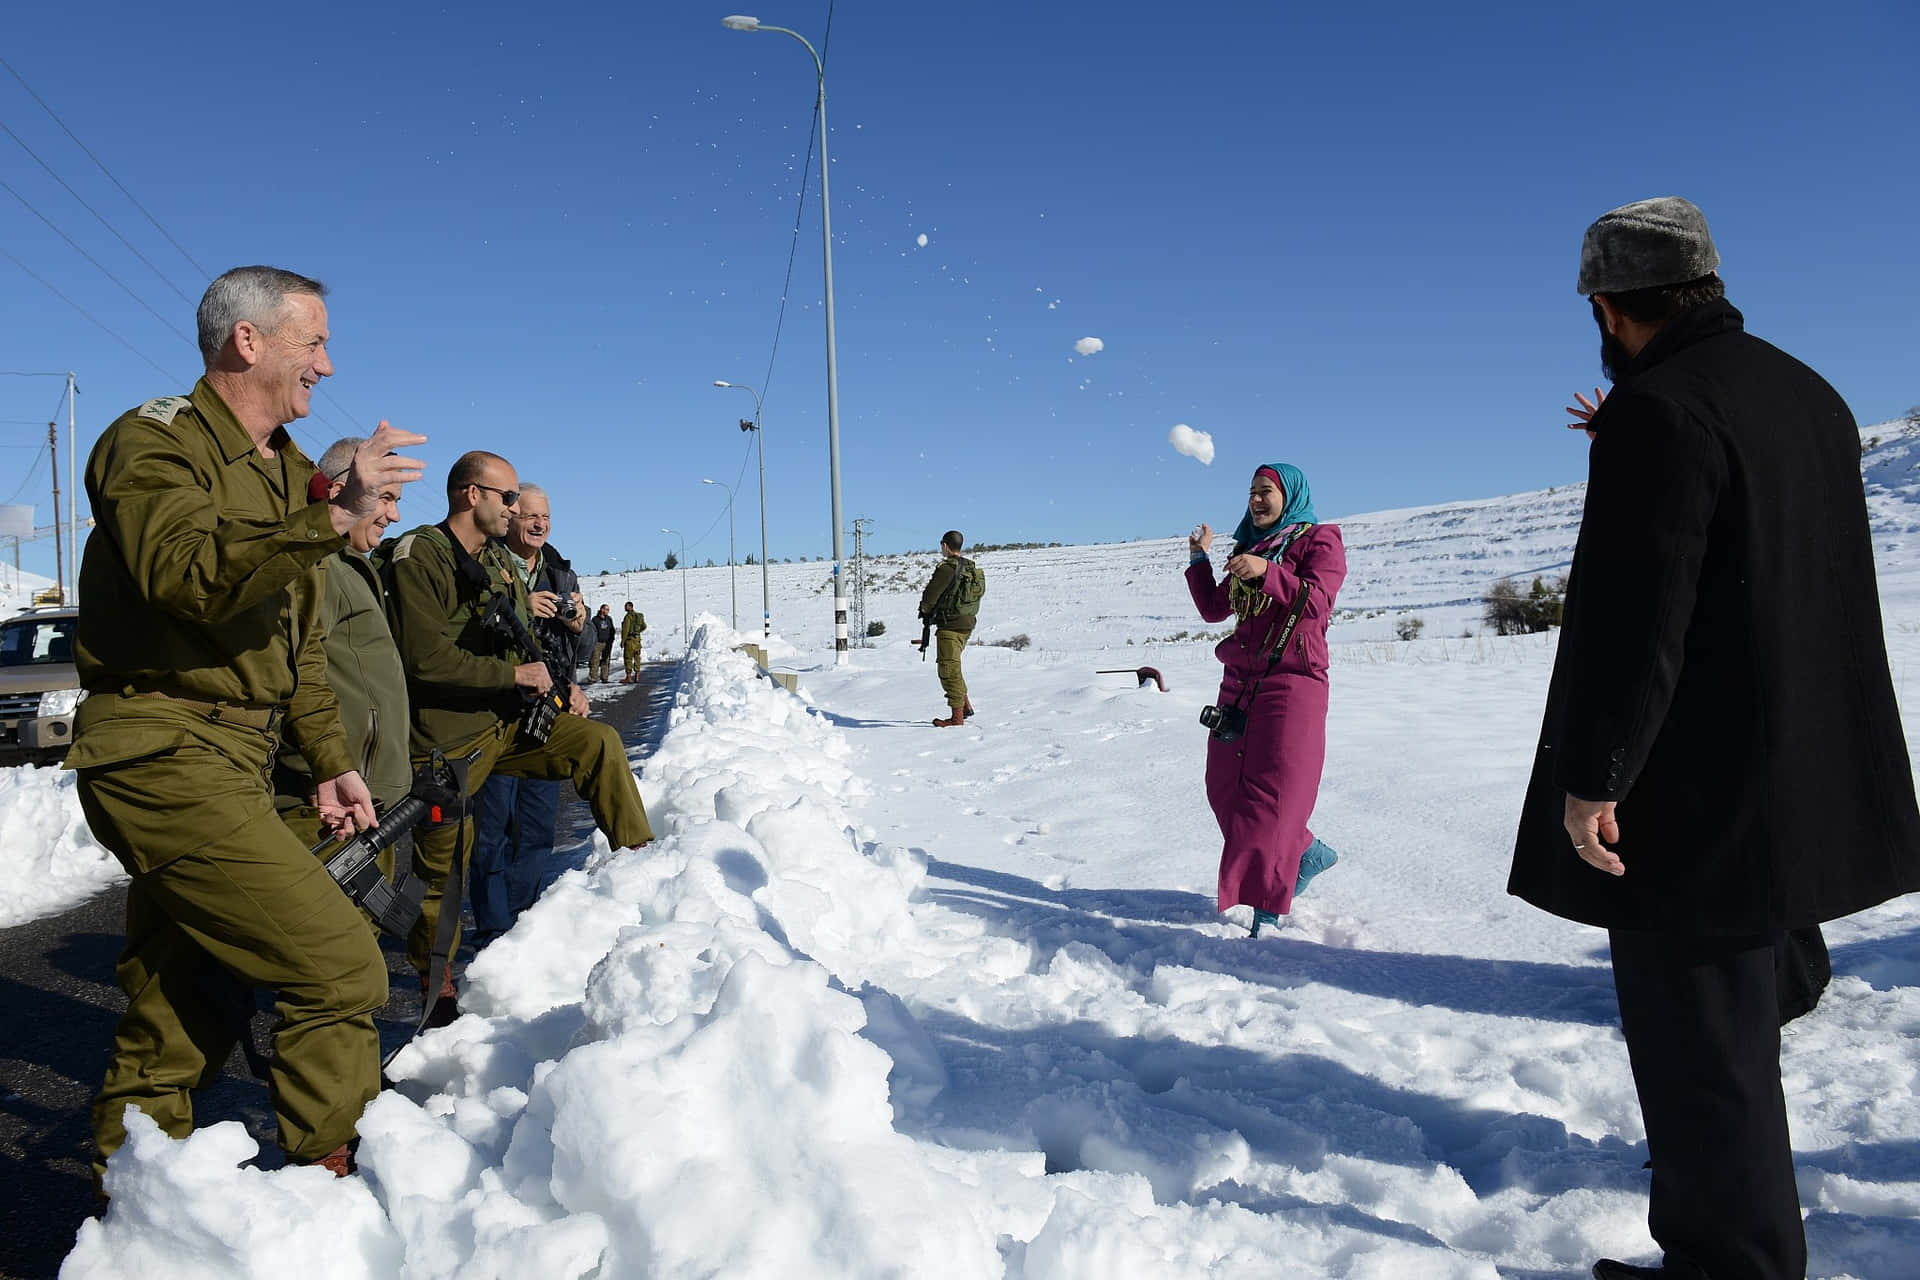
(437, 788)
(926, 636)
(545, 708)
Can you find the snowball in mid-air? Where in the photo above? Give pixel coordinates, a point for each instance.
(921, 239)
(1195, 444)
(1087, 346)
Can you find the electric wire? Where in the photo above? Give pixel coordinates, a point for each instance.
(104, 270)
(95, 212)
(154, 364)
(103, 168)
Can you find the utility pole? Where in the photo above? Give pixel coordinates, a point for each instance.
(53, 454)
(860, 526)
(73, 486)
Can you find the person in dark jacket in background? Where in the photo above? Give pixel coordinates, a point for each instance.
(600, 633)
(515, 818)
(1722, 759)
(1282, 577)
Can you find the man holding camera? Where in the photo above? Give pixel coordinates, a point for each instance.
(200, 646)
(517, 816)
(469, 685)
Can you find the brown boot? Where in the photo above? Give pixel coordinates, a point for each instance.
(954, 720)
(447, 1009)
(967, 711)
(339, 1161)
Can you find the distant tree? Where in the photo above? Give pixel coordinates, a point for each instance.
(1409, 628)
(673, 561)
(1511, 612)
(750, 559)
(876, 628)
(708, 564)
(1912, 419)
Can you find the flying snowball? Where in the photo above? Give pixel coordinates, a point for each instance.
(1087, 346)
(921, 239)
(1197, 445)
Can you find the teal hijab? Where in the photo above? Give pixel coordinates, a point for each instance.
(1298, 510)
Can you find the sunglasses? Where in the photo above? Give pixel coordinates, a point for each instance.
(508, 497)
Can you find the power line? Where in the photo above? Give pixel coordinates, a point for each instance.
(96, 262)
(89, 316)
(115, 181)
(95, 212)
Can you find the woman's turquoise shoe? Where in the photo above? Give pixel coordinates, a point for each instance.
(1261, 918)
(1316, 859)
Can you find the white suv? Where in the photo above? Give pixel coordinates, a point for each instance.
(39, 687)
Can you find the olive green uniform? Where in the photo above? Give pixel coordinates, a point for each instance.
(199, 645)
(462, 697)
(950, 633)
(364, 671)
(633, 628)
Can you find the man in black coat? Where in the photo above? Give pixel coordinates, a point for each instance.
(1722, 759)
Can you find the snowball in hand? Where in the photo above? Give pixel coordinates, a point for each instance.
(1195, 444)
(1087, 346)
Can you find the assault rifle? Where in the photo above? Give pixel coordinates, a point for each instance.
(537, 722)
(354, 864)
(926, 636)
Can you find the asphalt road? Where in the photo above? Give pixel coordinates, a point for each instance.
(59, 1005)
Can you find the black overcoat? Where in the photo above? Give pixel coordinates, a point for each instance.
(1722, 672)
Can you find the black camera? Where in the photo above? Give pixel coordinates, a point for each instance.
(1224, 723)
(568, 608)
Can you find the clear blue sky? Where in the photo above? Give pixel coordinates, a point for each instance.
(1342, 239)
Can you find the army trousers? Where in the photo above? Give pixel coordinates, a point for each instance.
(630, 656)
(225, 899)
(588, 752)
(947, 647)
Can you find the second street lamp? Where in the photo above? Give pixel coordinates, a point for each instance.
(744, 22)
(733, 585)
(685, 636)
(760, 445)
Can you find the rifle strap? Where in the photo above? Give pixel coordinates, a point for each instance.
(445, 931)
(1286, 637)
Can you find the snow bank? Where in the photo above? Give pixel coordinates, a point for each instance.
(49, 862)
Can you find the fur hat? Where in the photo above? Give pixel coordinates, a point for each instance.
(1646, 243)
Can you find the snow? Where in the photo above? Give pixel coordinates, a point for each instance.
(891, 1000)
(1187, 442)
(1089, 346)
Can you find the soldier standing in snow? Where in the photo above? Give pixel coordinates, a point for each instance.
(1268, 737)
(1722, 759)
(950, 606)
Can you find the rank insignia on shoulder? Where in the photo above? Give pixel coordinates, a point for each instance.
(403, 548)
(164, 408)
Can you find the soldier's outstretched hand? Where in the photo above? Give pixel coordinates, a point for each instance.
(376, 469)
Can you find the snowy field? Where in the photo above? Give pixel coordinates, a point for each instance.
(892, 1000)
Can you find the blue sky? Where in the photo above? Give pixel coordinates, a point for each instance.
(1342, 239)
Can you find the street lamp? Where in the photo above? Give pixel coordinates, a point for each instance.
(760, 442)
(685, 635)
(733, 584)
(741, 22)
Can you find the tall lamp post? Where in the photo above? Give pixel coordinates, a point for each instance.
(740, 22)
(760, 443)
(686, 636)
(733, 583)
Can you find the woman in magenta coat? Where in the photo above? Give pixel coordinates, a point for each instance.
(1281, 579)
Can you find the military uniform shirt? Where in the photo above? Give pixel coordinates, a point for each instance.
(200, 577)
